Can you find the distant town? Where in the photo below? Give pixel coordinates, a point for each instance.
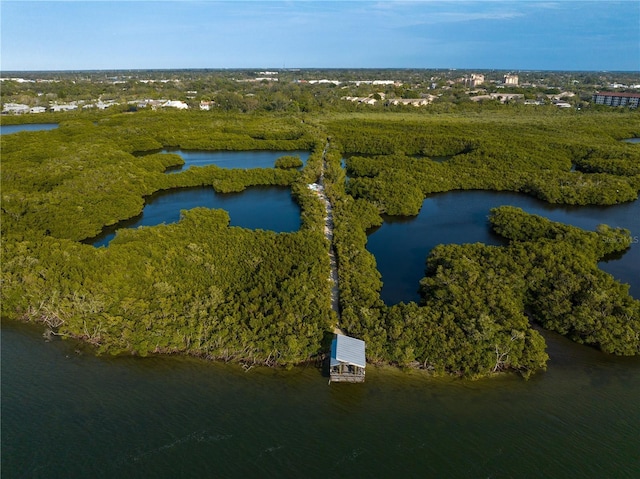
(309, 90)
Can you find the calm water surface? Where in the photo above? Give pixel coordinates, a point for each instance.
(8, 129)
(233, 159)
(74, 415)
(269, 208)
(401, 244)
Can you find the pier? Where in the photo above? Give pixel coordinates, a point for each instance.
(347, 360)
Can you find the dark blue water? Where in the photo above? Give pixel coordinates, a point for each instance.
(632, 140)
(401, 244)
(233, 159)
(268, 208)
(8, 129)
(66, 415)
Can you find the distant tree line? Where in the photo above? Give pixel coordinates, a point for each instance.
(293, 91)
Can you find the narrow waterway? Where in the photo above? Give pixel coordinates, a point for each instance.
(245, 159)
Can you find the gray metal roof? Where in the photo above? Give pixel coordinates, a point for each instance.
(348, 350)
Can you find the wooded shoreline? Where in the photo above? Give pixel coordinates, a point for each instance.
(201, 288)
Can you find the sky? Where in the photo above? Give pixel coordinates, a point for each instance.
(489, 34)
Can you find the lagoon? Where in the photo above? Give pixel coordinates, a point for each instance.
(401, 244)
(269, 208)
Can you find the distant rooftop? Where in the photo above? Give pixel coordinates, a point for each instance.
(615, 93)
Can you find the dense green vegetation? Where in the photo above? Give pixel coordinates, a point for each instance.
(86, 174)
(478, 300)
(197, 286)
(565, 291)
(288, 161)
(533, 154)
(201, 287)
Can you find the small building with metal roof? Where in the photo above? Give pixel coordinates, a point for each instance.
(347, 363)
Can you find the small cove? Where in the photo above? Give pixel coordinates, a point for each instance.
(231, 159)
(9, 129)
(402, 244)
(269, 208)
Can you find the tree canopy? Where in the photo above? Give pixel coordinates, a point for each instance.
(204, 288)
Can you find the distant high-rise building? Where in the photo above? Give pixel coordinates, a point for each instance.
(472, 81)
(510, 79)
(476, 79)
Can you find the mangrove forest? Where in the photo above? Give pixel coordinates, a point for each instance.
(202, 287)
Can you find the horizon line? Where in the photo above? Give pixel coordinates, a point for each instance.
(77, 70)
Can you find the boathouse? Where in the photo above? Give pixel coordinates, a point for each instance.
(347, 361)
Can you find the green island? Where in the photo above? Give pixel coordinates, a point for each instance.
(203, 288)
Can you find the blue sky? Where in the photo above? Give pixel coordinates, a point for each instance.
(509, 35)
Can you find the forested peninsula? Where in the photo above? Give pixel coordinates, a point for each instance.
(204, 288)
